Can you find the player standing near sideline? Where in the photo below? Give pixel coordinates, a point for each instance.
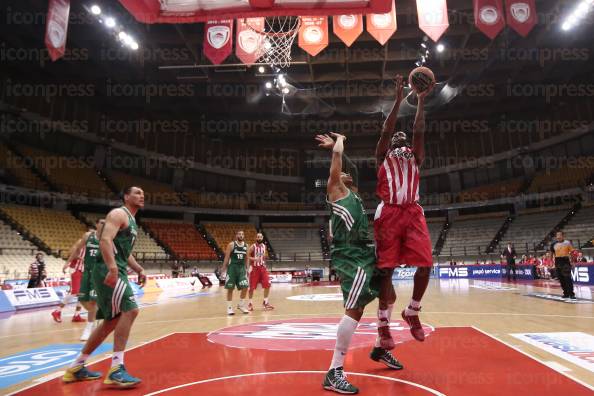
(76, 263)
(353, 258)
(87, 296)
(236, 260)
(115, 297)
(257, 254)
(561, 249)
(400, 229)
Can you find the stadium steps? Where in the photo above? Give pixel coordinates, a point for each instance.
(160, 242)
(41, 174)
(525, 184)
(559, 227)
(442, 238)
(82, 218)
(500, 234)
(108, 182)
(324, 241)
(271, 252)
(210, 240)
(26, 234)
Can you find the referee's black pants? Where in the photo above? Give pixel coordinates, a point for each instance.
(563, 269)
(511, 266)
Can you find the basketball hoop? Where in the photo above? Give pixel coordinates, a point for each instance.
(277, 35)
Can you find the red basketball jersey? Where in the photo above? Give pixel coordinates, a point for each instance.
(78, 264)
(398, 177)
(259, 254)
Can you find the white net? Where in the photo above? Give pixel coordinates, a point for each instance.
(278, 35)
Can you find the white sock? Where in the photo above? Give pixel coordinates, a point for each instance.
(266, 300)
(242, 302)
(413, 304)
(90, 326)
(346, 329)
(80, 359)
(117, 358)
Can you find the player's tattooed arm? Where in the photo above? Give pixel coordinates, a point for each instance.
(389, 127)
(419, 127)
(227, 257)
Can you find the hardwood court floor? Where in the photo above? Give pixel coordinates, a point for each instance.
(495, 308)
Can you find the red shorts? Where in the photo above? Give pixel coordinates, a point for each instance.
(75, 280)
(259, 274)
(401, 236)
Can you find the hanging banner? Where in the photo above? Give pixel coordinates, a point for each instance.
(248, 43)
(488, 17)
(347, 27)
(218, 43)
(313, 34)
(56, 28)
(521, 15)
(382, 26)
(433, 17)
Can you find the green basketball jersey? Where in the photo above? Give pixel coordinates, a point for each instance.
(348, 220)
(91, 251)
(238, 254)
(124, 242)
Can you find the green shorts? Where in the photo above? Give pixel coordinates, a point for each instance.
(359, 278)
(236, 277)
(86, 291)
(112, 301)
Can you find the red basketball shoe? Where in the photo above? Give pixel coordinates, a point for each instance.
(267, 306)
(250, 307)
(386, 340)
(77, 318)
(416, 329)
(57, 315)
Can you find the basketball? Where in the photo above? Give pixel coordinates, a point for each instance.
(421, 78)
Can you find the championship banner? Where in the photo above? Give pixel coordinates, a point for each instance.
(313, 34)
(248, 43)
(521, 15)
(433, 17)
(56, 28)
(218, 43)
(382, 26)
(347, 27)
(488, 17)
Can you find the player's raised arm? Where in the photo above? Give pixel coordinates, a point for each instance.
(383, 143)
(336, 188)
(115, 220)
(77, 247)
(419, 127)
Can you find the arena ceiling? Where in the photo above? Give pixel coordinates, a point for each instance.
(482, 79)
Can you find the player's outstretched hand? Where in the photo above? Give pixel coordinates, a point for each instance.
(338, 136)
(111, 278)
(325, 141)
(141, 279)
(422, 95)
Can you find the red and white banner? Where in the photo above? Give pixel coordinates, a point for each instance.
(433, 17)
(248, 43)
(313, 34)
(521, 15)
(218, 40)
(56, 28)
(488, 17)
(382, 26)
(347, 27)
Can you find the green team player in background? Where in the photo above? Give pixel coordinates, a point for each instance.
(235, 271)
(87, 296)
(115, 297)
(353, 258)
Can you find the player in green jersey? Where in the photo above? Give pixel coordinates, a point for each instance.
(353, 258)
(235, 266)
(115, 298)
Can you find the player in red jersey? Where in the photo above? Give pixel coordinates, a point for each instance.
(258, 274)
(400, 229)
(76, 263)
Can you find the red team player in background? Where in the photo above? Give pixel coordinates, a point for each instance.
(400, 229)
(257, 254)
(75, 262)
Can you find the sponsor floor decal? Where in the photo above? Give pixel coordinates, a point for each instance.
(317, 297)
(25, 365)
(453, 361)
(575, 347)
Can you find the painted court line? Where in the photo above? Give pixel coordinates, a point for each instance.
(535, 359)
(433, 391)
